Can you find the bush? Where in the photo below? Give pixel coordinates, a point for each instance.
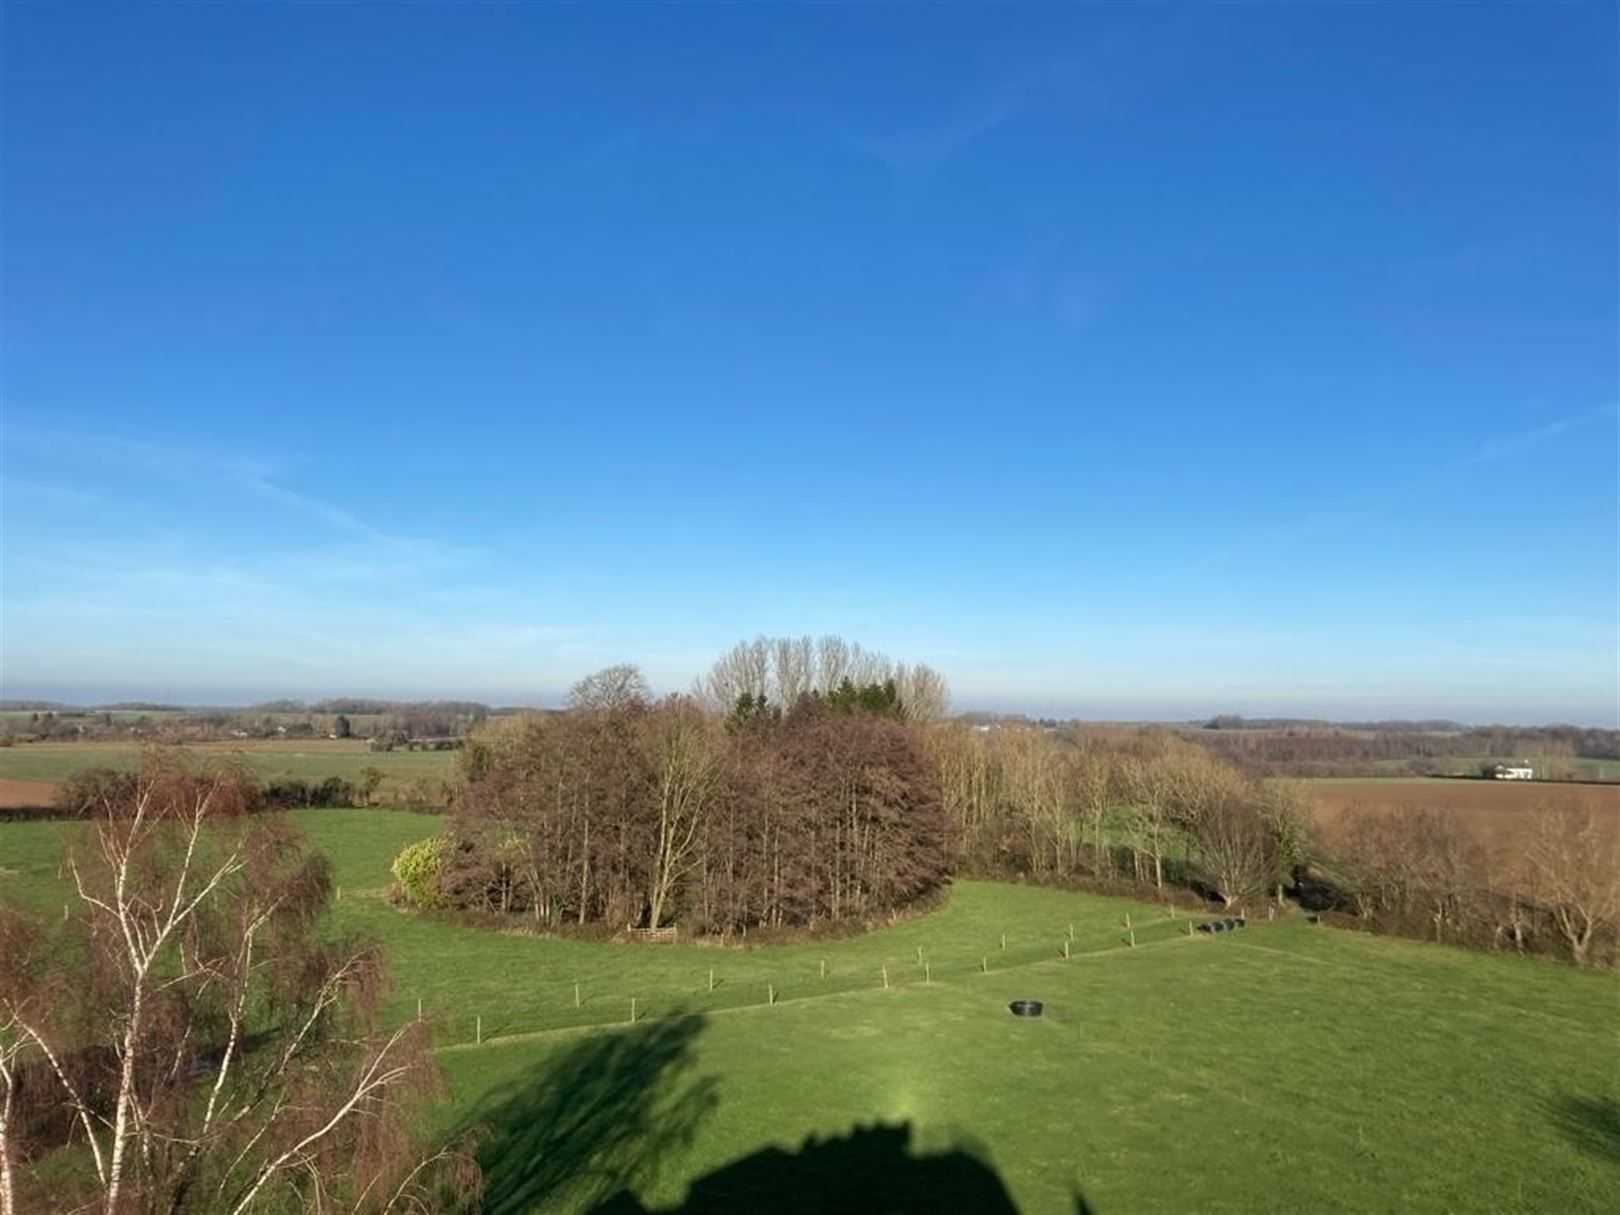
(80, 794)
(295, 794)
(416, 870)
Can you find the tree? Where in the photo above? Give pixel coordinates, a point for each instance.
(1575, 867)
(685, 757)
(1234, 847)
(781, 670)
(341, 727)
(1283, 807)
(371, 779)
(614, 687)
(212, 1049)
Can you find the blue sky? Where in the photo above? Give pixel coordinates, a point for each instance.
(1116, 360)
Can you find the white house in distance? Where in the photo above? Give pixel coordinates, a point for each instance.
(1519, 771)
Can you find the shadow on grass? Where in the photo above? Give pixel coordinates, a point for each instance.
(592, 1120)
(869, 1170)
(1590, 1123)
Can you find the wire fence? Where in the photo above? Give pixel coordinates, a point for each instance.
(557, 1005)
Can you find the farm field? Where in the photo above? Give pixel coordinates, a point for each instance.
(1566, 767)
(1286, 1067)
(274, 759)
(1499, 812)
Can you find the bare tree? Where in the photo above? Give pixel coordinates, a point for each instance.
(794, 670)
(1575, 866)
(686, 762)
(782, 669)
(614, 687)
(923, 692)
(743, 670)
(213, 1049)
(1234, 847)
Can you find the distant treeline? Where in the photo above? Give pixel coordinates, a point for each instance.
(1234, 721)
(1329, 750)
(397, 721)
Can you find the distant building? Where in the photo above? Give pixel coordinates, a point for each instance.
(1509, 772)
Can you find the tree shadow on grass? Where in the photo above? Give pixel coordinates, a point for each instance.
(593, 1119)
(870, 1170)
(1590, 1123)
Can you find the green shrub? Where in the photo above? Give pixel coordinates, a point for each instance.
(416, 869)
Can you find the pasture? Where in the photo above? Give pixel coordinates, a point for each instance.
(1284, 1067)
(310, 759)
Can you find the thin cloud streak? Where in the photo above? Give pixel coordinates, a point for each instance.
(1354, 512)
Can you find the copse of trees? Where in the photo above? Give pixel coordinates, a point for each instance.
(639, 815)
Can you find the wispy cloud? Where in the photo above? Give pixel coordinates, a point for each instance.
(255, 474)
(918, 151)
(1510, 445)
(1365, 508)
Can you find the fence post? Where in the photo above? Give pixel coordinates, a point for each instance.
(478, 1034)
(928, 972)
(770, 994)
(576, 994)
(1004, 940)
(632, 1010)
(984, 965)
(885, 978)
(823, 968)
(919, 955)
(1133, 938)
(418, 1008)
(1065, 950)
(711, 979)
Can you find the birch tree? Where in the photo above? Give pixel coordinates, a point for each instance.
(215, 1050)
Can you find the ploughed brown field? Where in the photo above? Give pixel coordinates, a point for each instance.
(1499, 812)
(22, 793)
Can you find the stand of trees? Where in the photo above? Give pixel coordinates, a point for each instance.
(1419, 872)
(634, 815)
(1129, 807)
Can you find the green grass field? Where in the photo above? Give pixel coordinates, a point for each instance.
(304, 759)
(1287, 1067)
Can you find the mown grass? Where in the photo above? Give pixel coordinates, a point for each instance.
(1287, 1067)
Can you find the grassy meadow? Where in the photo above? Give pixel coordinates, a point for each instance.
(1285, 1067)
(273, 759)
